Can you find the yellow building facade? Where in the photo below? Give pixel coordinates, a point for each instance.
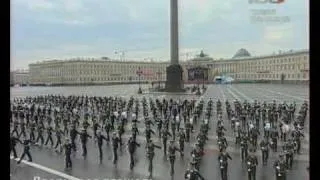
(289, 66)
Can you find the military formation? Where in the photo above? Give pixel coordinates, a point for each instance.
(58, 121)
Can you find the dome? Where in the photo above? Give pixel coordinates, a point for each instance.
(241, 53)
(202, 57)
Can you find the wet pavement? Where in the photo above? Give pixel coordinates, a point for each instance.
(90, 167)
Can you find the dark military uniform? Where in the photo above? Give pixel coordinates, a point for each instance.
(182, 138)
(100, 139)
(68, 148)
(172, 156)
(150, 155)
(49, 136)
(132, 145)
(165, 134)
(265, 151)
(13, 143)
(115, 146)
(26, 150)
(252, 162)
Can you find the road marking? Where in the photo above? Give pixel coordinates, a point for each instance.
(241, 94)
(233, 95)
(223, 95)
(288, 95)
(46, 169)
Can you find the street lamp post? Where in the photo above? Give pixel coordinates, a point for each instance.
(198, 80)
(159, 76)
(139, 73)
(202, 78)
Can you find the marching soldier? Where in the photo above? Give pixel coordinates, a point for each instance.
(132, 145)
(73, 136)
(280, 168)
(115, 145)
(32, 129)
(108, 128)
(182, 138)
(40, 136)
(252, 162)
(150, 155)
(13, 143)
(100, 139)
(59, 134)
(264, 145)
(49, 136)
(67, 149)
(192, 173)
(26, 150)
(172, 155)
(188, 127)
(165, 133)
(148, 132)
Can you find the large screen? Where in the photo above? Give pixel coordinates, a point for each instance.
(197, 73)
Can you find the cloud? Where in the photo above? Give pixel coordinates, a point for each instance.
(44, 29)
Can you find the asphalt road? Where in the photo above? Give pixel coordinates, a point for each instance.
(90, 167)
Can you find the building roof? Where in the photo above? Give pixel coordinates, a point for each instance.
(241, 53)
(202, 57)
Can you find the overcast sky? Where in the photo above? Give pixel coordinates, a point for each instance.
(62, 29)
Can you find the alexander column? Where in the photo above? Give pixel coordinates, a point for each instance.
(174, 81)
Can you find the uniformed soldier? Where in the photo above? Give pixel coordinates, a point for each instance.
(222, 142)
(274, 139)
(49, 136)
(264, 145)
(67, 149)
(289, 151)
(15, 128)
(244, 146)
(223, 159)
(150, 155)
(252, 162)
(148, 132)
(26, 150)
(115, 145)
(13, 143)
(73, 136)
(159, 125)
(40, 136)
(59, 134)
(108, 128)
(65, 126)
(22, 129)
(172, 155)
(165, 133)
(132, 145)
(100, 139)
(95, 127)
(192, 173)
(280, 168)
(182, 138)
(173, 129)
(84, 139)
(188, 127)
(32, 129)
